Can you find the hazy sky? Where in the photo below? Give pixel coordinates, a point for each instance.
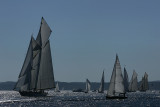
(86, 36)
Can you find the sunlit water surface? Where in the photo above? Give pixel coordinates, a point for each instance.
(73, 99)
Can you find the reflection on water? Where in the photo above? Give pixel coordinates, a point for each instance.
(69, 98)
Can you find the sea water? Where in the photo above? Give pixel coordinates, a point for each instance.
(79, 99)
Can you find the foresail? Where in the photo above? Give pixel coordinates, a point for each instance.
(23, 80)
(20, 82)
(27, 61)
(24, 76)
(111, 88)
(45, 77)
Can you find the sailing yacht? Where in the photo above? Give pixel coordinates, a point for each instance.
(116, 87)
(144, 83)
(88, 86)
(37, 71)
(101, 88)
(57, 88)
(126, 83)
(133, 83)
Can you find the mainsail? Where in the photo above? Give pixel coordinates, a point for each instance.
(101, 88)
(88, 86)
(133, 83)
(144, 83)
(126, 83)
(37, 70)
(116, 86)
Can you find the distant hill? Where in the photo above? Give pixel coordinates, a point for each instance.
(154, 85)
(9, 85)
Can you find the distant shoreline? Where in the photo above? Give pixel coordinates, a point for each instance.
(9, 85)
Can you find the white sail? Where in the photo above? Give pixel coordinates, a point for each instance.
(88, 85)
(116, 86)
(101, 88)
(144, 83)
(57, 88)
(133, 83)
(126, 82)
(119, 84)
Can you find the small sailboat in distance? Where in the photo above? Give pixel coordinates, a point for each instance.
(144, 83)
(126, 83)
(101, 88)
(133, 83)
(57, 88)
(88, 86)
(116, 87)
(37, 71)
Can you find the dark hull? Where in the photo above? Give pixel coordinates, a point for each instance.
(33, 94)
(115, 97)
(100, 92)
(120, 96)
(78, 90)
(142, 90)
(131, 91)
(57, 91)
